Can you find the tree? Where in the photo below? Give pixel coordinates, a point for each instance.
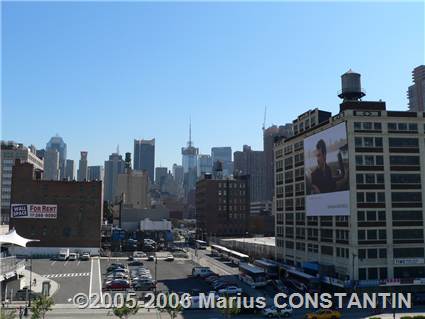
(7, 314)
(124, 312)
(172, 307)
(41, 306)
(230, 307)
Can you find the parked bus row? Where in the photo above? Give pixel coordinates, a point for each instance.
(234, 256)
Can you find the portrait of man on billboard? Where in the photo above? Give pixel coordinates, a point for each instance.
(322, 180)
(326, 172)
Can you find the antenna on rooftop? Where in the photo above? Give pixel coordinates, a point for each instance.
(265, 113)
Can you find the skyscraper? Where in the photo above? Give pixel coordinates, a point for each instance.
(95, 173)
(114, 166)
(160, 175)
(144, 156)
(252, 163)
(224, 155)
(190, 164)
(70, 170)
(51, 165)
(269, 135)
(83, 167)
(416, 92)
(57, 143)
(204, 164)
(178, 174)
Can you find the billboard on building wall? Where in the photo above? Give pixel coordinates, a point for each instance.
(39, 211)
(326, 172)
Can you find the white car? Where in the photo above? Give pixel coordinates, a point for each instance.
(73, 256)
(85, 256)
(139, 254)
(277, 312)
(230, 290)
(169, 258)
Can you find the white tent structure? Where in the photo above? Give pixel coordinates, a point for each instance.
(13, 238)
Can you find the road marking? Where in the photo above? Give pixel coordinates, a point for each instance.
(65, 263)
(53, 262)
(100, 281)
(63, 275)
(91, 277)
(78, 262)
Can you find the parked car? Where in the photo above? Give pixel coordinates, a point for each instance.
(85, 256)
(323, 314)
(117, 275)
(118, 284)
(139, 254)
(115, 266)
(201, 272)
(151, 258)
(273, 311)
(73, 256)
(229, 290)
(211, 278)
(143, 284)
(135, 263)
(295, 285)
(169, 258)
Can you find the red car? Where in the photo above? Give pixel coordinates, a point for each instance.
(118, 284)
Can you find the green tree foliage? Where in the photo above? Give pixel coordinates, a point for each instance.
(124, 312)
(41, 306)
(7, 314)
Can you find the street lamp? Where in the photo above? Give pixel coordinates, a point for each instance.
(30, 290)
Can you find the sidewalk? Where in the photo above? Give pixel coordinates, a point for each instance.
(38, 286)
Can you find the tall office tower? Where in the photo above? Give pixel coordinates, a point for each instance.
(57, 143)
(133, 188)
(350, 195)
(178, 174)
(144, 157)
(269, 136)
(190, 164)
(416, 92)
(40, 153)
(95, 173)
(205, 164)
(224, 155)
(113, 167)
(82, 167)
(70, 170)
(249, 162)
(51, 165)
(11, 151)
(160, 175)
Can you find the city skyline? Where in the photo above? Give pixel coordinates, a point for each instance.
(224, 71)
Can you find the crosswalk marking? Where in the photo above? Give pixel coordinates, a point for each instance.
(73, 274)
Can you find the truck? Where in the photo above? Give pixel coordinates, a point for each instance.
(63, 254)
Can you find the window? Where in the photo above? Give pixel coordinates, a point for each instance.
(406, 197)
(404, 160)
(405, 178)
(407, 234)
(403, 142)
(327, 250)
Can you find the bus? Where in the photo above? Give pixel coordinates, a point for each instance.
(219, 251)
(237, 257)
(200, 244)
(252, 275)
(270, 267)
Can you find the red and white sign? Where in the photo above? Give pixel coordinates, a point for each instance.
(39, 211)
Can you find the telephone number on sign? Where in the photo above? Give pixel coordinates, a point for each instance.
(120, 299)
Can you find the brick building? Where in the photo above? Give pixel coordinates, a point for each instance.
(222, 206)
(74, 223)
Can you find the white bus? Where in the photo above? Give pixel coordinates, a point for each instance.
(200, 244)
(252, 275)
(270, 267)
(219, 251)
(237, 257)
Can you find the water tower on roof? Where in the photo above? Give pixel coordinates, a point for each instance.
(351, 86)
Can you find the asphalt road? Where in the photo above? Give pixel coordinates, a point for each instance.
(72, 276)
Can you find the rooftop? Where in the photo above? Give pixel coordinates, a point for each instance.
(267, 241)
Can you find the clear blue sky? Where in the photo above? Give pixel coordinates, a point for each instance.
(102, 74)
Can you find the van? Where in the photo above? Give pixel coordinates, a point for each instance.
(201, 272)
(63, 254)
